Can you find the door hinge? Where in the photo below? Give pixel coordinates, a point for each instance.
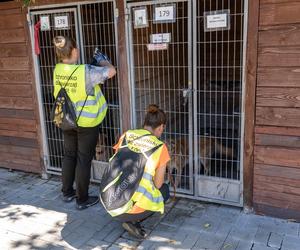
(116, 12)
(28, 16)
(45, 158)
(127, 14)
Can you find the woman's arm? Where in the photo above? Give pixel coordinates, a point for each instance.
(159, 176)
(102, 60)
(111, 71)
(160, 171)
(100, 70)
(97, 75)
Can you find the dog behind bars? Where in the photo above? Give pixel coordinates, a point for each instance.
(207, 146)
(102, 149)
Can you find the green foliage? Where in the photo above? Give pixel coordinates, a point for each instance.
(26, 3)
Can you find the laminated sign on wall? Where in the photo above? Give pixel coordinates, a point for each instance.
(216, 20)
(140, 17)
(45, 23)
(61, 22)
(164, 14)
(160, 38)
(157, 46)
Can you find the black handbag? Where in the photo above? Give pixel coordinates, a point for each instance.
(63, 113)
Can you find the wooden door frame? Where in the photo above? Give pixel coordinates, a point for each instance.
(123, 70)
(250, 100)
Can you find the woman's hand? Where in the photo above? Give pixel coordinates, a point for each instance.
(111, 69)
(103, 60)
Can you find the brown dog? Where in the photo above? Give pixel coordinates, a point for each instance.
(102, 150)
(207, 146)
(178, 149)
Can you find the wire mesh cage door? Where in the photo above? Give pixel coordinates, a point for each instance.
(58, 22)
(92, 25)
(98, 31)
(218, 77)
(160, 47)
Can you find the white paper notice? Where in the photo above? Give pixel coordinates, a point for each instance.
(216, 21)
(160, 38)
(157, 46)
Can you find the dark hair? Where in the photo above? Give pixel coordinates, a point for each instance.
(63, 47)
(155, 117)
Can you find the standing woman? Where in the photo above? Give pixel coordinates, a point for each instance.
(83, 87)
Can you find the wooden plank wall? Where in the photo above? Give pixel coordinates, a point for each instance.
(277, 133)
(19, 133)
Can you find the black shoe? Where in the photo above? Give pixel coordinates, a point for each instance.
(69, 198)
(135, 230)
(91, 201)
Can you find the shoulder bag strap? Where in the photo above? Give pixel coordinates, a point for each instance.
(86, 95)
(82, 108)
(69, 77)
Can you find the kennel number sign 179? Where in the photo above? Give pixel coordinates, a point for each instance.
(165, 14)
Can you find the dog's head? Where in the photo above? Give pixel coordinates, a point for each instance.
(102, 148)
(179, 154)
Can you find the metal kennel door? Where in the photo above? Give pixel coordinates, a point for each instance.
(160, 49)
(45, 63)
(219, 48)
(91, 24)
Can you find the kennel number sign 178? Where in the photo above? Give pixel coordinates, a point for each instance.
(61, 22)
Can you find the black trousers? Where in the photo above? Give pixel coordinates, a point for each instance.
(165, 192)
(79, 146)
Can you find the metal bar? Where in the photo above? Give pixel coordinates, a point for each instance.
(53, 6)
(131, 62)
(143, 3)
(201, 198)
(52, 11)
(195, 96)
(190, 86)
(53, 172)
(82, 52)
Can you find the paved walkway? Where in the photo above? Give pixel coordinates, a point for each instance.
(32, 216)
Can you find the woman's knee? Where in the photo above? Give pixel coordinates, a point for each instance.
(165, 191)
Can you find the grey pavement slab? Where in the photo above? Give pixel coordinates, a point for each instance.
(245, 245)
(275, 240)
(291, 242)
(258, 246)
(33, 216)
(262, 236)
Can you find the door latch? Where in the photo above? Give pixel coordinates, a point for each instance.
(186, 93)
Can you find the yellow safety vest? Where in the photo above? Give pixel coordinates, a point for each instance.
(147, 196)
(95, 107)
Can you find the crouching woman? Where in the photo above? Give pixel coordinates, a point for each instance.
(132, 187)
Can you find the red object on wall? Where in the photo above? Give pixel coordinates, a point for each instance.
(37, 27)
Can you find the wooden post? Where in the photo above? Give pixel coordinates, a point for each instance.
(123, 67)
(250, 103)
